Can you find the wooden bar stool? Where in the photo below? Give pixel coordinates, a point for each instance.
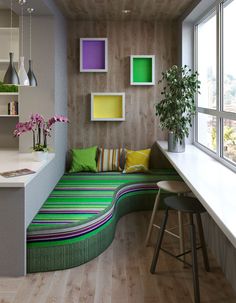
(192, 207)
(174, 187)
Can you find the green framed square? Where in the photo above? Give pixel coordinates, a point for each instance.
(142, 70)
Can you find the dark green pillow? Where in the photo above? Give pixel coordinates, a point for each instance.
(84, 159)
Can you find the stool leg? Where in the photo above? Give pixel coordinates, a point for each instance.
(156, 204)
(158, 244)
(203, 243)
(181, 235)
(194, 261)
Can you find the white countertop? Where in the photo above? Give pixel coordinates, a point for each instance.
(13, 160)
(211, 182)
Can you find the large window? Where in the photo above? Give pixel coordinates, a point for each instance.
(215, 61)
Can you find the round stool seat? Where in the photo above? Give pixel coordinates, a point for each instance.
(172, 187)
(184, 204)
(176, 187)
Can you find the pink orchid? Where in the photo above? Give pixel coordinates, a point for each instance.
(57, 118)
(22, 127)
(39, 127)
(37, 119)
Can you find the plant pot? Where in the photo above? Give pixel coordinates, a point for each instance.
(174, 145)
(39, 156)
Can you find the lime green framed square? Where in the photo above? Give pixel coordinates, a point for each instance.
(142, 70)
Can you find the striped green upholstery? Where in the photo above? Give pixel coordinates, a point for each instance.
(77, 221)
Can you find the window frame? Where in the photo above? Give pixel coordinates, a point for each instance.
(219, 112)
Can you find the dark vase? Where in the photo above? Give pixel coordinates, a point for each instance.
(11, 76)
(31, 76)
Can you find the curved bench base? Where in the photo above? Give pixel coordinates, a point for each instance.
(87, 247)
(78, 220)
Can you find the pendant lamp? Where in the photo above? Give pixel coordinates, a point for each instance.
(11, 76)
(23, 77)
(31, 75)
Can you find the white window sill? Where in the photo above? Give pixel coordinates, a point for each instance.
(211, 182)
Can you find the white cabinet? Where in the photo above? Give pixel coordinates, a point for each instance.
(9, 41)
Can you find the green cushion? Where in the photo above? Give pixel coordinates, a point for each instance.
(84, 160)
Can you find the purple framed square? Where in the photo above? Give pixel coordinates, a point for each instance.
(93, 55)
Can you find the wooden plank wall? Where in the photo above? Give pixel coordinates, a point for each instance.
(140, 129)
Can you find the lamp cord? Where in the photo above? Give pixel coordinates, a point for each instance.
(11, 30)
(30, 37)
(22, 31)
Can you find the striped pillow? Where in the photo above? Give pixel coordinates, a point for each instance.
(109, 159)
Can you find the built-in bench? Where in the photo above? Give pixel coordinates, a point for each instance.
(78, 220)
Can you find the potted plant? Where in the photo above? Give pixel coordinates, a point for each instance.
(177, 107)
(40, 129)
(8, 88)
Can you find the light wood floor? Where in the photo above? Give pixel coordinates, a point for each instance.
(121, 275)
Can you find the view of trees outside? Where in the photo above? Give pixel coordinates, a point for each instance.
(230, 140)
(207, 130)
(229, 79)
(207, 69)
(207, 135)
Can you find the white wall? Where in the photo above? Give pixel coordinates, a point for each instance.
(187, 53)
(40, 99)
(5, 20)
(49, 54)
(60, 105)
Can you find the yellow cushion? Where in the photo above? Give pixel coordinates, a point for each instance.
(137, 161)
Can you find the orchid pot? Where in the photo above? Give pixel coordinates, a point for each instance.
(39, 156)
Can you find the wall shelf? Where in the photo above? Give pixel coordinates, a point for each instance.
(93, 55)
(9, 116)
(107, 106)
(142, 70)
(5, 61)
(8, 94)
(9, 105)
